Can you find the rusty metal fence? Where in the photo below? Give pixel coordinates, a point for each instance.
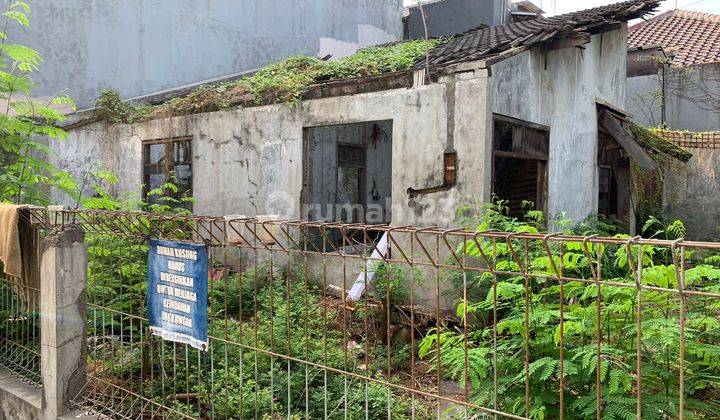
(20, 330)
(325, 320)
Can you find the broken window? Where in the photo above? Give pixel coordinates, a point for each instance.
(520, 156)
(168, 160)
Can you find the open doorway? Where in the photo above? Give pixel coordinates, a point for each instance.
(348, 173)
(614, 191)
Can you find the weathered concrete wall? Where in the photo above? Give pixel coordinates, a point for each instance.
(692, 194)
(139, 47)
(686, 98)
(63, 318)
(18, 399)
(687, 106)
(249, 161)
(560, 92)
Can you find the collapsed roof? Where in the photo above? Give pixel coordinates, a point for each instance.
(692, 37)
(642, 144)
(494, 42)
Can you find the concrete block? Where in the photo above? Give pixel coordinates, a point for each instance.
(63, 317)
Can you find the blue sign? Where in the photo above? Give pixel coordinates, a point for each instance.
(177, 292)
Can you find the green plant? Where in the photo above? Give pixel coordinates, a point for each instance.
(656, 228)
(284, 81)
(111, 108)
(271, 309)
(26, 171)
(472, 360)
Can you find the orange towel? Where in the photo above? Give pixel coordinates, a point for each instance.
(18, 247)
(10, 251)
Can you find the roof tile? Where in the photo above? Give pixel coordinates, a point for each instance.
(486, 42)
(693, 34)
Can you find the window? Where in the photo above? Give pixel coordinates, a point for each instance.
(167, 160)
(520, 156)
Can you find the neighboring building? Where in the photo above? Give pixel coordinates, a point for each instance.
(674, 71)
(450, 17)
(139, 48)
(525, 111)
(674, 81)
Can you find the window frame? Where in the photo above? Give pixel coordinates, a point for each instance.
(541, 200)
(169, 163)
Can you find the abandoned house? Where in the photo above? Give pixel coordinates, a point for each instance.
(673, 74)
(527, 111)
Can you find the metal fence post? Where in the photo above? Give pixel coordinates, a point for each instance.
(63, 315)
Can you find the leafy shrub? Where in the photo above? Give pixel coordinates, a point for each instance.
(659, 325)
(283, 81)
(25, 168)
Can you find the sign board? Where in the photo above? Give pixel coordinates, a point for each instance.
(177, 292)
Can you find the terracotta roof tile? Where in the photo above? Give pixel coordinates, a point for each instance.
(694, 36)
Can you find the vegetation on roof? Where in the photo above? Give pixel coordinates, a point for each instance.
(282, 82)
(650, 140)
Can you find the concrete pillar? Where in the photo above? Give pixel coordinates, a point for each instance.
(63, 317)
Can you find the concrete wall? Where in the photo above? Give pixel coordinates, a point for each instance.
(450, 17)
(685, 96)
(563, 97)
(644, 99)
(18, 399)
(139, 47)
(250, 161)
(692, 194)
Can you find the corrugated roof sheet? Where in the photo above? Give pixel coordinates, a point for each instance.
(694, 36)
(486, 42)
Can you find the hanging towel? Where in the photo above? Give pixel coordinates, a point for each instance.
(10, 250)
(18, 244)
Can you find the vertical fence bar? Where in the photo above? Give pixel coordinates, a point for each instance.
(638, 332)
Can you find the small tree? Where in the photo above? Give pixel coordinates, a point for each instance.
(26, 175)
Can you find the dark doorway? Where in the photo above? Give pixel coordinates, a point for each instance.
(614, 190)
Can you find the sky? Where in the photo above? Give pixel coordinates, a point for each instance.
(553, 7)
